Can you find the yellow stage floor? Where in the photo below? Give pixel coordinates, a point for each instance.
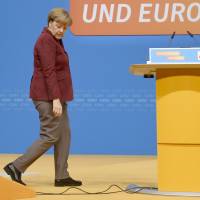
(97, 172)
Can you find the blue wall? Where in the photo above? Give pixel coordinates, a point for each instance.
(113, 111)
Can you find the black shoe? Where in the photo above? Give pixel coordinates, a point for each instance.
(14, 173)
(67, 182)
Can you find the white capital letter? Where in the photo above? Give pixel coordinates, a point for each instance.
(189, 12)
(119, 18)
(144, 12)
(104, 10)
(177, 12)
(166, 11)
(94, 14)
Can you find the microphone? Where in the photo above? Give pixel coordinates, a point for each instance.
(173, 35)
(190, 34)
(171, 38)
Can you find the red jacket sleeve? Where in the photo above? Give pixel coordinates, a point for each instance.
(47, 57)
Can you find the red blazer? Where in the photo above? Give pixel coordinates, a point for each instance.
(51, 77)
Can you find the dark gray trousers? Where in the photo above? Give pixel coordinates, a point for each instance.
(53, 131)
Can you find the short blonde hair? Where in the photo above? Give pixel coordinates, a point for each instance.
(60, 15)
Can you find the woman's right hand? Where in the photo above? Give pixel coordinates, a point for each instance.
(57, 108)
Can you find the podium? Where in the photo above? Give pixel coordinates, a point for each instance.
(178, 124)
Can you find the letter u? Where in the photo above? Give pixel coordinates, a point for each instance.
(85, 13)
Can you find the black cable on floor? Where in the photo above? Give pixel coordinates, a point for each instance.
(84, 192)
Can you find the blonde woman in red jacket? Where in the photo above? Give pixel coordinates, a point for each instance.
(50, 90)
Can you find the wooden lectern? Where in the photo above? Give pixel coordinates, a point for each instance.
(178, 124)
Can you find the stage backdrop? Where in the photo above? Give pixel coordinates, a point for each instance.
(113, 111)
